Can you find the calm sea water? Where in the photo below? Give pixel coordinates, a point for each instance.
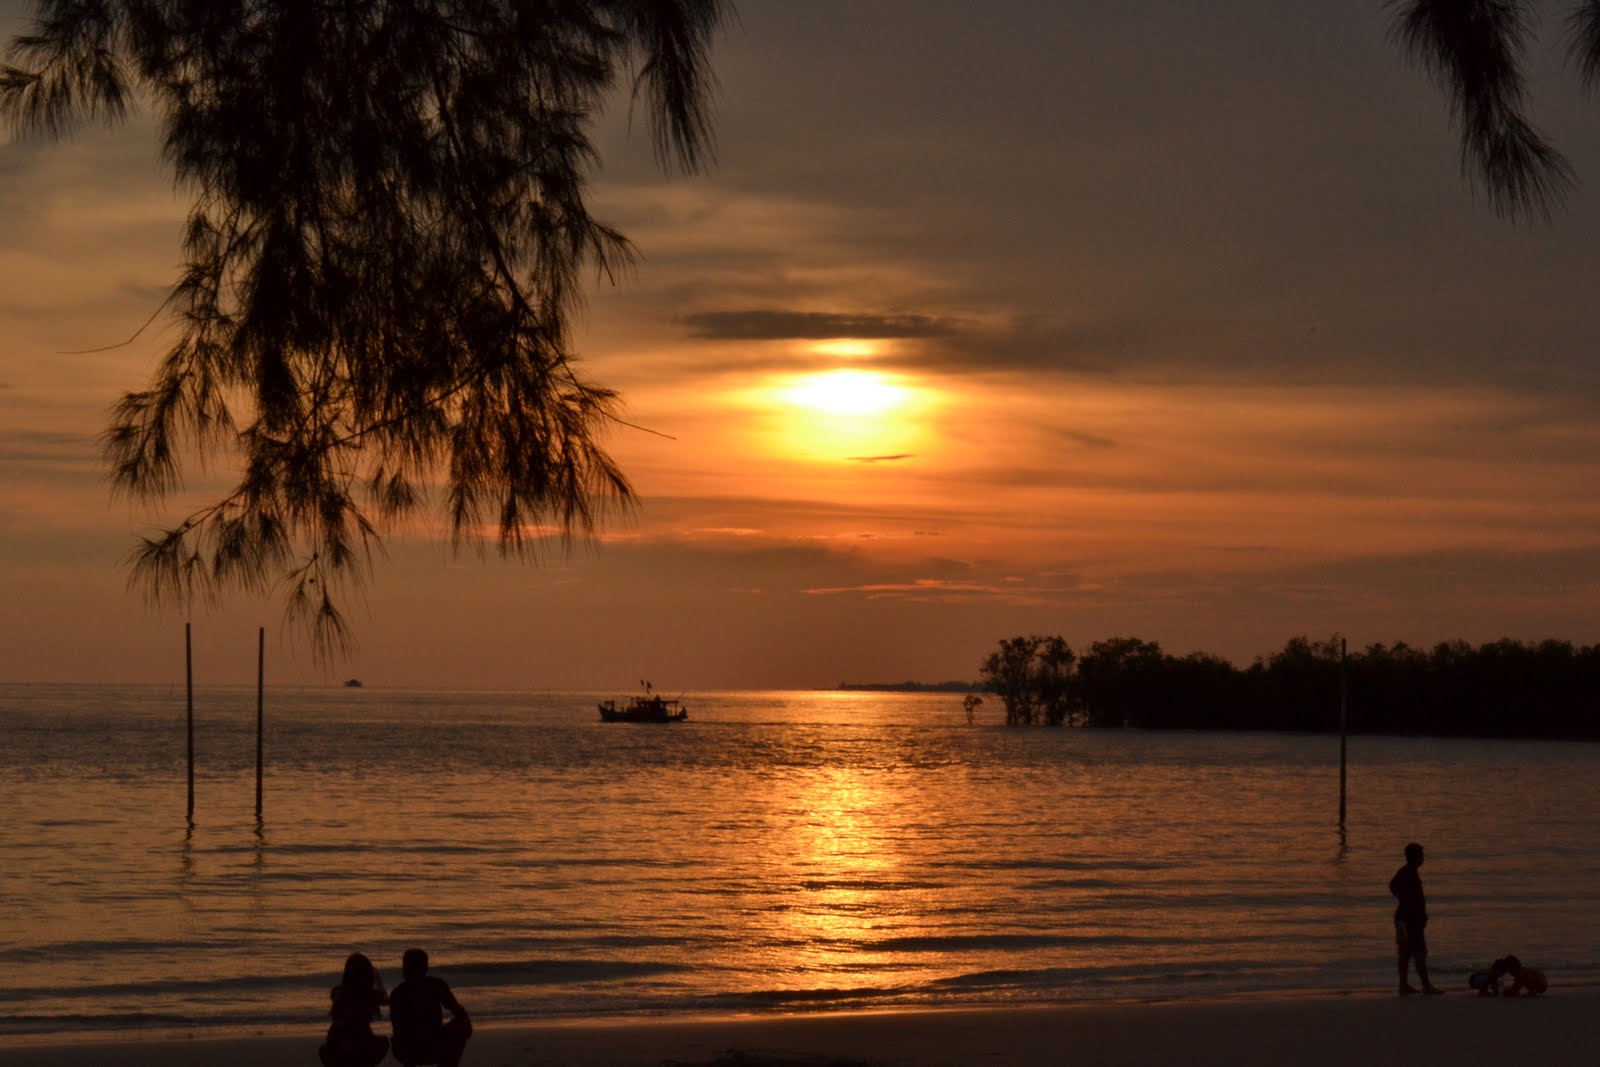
(778, 851)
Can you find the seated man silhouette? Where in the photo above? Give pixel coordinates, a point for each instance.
(416, 1010)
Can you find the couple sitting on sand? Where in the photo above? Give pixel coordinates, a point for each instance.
(416, 1012)
(1411, 916)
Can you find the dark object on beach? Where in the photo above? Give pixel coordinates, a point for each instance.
(1530, 981)
(1487, 983)
(352, 683)
(1524, 980)
(356, 1000)
(647, 708)
(416, 1010)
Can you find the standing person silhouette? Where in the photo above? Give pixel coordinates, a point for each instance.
(356, 999)
(416, 1010)
(1410, 917)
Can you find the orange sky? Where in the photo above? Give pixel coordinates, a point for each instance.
(1156, 322)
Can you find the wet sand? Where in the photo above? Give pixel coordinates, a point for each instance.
(1305, 1031)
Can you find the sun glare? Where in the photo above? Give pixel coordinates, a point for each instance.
(845, 415)
(847, 349)
(846, 392)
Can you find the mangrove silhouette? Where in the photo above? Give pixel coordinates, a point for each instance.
(1503, 689)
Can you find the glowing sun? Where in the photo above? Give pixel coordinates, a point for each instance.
(846, 392)
(844, 415)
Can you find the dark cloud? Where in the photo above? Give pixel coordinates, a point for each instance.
(1097, 345)
(44, 446)
(1085, 440)
(934, 590)
(775, 325)
(151, 292)
(1100, 348)
(880, 459)
(1463, 573)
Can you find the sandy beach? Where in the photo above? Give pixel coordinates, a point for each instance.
(1305, 1031)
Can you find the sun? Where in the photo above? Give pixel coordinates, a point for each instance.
(844, 415)
(847, 392)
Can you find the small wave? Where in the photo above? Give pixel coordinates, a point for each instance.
(58, 951)
(552, 972)
(825, 995)
(17, 1025)
(1000, 942)
(1117, 863)
(199, 988)
(869, 885)
(353, 848)
(1038, 978)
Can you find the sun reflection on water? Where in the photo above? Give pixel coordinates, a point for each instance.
(842, 875)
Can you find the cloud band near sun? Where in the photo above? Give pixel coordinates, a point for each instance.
(775, 325)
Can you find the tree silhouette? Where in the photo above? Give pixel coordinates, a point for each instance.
(385, 247)
(1475, 49)
(1502, 689)
(1114, 679)
(1031, 676)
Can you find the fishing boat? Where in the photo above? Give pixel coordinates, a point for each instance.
(647, 708)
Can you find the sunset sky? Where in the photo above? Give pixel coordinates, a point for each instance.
(1154, 319)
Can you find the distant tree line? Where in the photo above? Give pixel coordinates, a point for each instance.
(912, 687)
(1502, 689)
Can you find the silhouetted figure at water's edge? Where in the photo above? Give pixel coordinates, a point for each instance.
(1410, 919)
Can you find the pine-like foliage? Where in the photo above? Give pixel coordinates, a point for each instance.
(1475, 50)
(387, 241)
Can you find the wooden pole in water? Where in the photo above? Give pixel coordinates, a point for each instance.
(1344, 721)
(188, 681)
(261, 675)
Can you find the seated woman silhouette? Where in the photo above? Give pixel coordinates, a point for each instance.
(416, 1010)
(356, 1000)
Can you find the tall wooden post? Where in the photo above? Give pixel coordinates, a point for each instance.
(1344, 720)
(188, 683)
(261, 674)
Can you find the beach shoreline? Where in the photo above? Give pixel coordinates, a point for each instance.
(1310, 1029)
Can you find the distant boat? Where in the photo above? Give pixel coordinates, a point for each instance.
(352, 683)
(647, 708)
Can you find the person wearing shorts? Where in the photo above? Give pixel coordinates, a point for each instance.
(1410, 922)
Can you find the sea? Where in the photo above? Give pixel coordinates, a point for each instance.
(777, 852)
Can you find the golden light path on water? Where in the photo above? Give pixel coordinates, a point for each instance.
(839, 844)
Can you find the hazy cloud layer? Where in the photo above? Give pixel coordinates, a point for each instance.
(771, 325)
(44, 446)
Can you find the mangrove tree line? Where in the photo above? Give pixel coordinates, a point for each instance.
(1505, 688)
